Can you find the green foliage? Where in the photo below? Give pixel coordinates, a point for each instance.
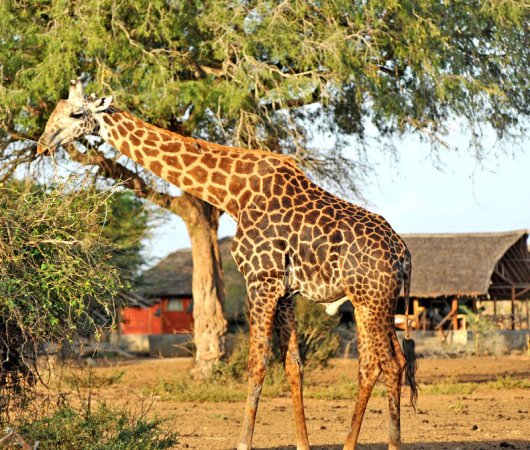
(484, 331)
(126, 227)
(56, 281)
(234, 367)
(101, 429)
(255, 73)
(235, 289)
(317, 339)
(317, 335)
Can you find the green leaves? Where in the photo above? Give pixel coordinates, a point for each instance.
(125, 228)
(244, 73)
(98, 428)
(55, 278)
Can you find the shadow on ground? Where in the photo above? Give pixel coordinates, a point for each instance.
(483, 445)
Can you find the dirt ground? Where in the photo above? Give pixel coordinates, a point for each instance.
(487, 418)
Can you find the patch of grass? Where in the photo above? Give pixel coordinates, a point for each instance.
(451, 386)
(459, 407)
(276, 384)
(336, 391)
(90, 379)
(509, 383)
(343, 389)
(218, 389)
(200, 391)
(224, 388)
(101, 428)
(448, 387)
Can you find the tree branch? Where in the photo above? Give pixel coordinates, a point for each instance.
(110, 168)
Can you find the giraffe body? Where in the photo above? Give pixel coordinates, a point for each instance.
(292, 237)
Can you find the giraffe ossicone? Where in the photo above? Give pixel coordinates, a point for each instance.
(292, 237)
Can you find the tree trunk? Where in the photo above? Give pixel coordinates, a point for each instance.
(202, 222)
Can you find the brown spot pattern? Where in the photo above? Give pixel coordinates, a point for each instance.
(292, 237)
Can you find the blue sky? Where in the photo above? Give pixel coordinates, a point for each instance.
(419, 195)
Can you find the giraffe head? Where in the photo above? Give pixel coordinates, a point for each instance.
(73, 118)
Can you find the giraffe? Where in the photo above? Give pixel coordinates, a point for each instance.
(292, 237)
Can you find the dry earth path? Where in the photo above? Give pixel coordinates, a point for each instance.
(488, 416)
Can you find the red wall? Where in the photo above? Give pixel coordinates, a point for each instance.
(157, 319)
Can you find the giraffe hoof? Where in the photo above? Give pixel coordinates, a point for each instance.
(243, 447)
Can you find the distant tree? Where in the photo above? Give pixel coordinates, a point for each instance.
(264, 74)
(126, 227)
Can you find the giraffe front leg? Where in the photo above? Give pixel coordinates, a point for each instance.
(284, 325)
(262, 305)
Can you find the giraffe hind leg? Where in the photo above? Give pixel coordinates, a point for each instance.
(393, 364)
(379, 351)
(369, 371)
(284, 325)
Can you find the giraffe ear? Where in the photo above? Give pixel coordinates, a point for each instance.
(103, 103)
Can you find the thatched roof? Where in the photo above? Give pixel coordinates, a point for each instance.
(463, 264)
(443, 265)
(171, 277)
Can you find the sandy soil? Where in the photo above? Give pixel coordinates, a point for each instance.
(486, 419)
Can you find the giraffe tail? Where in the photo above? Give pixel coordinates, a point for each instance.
(411, 365)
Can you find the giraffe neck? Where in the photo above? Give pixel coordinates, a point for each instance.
(226, 177)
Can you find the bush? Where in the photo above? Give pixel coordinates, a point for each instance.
(317, 335)
(103, 429)
(56, 282)
(483, 330)
(317, 339)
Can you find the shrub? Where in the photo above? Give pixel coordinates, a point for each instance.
(234, 367)
(55, 279)
(317, 335)
(317, 338)
(101, 429)
(483, 330)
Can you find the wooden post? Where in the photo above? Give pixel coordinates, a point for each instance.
(415, 313)
(527, 316)
(513, 308)
(495, 311)
(454, 308)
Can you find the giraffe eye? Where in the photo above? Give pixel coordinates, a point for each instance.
(77, 114)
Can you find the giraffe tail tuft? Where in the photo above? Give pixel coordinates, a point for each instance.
(410, 369)
(408, 343)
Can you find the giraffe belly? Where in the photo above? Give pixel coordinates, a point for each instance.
(318, 287)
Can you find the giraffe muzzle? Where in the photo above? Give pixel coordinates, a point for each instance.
(41, 150)
(45, 150)
(46, 145)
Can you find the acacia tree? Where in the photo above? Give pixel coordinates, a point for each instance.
(264, 74)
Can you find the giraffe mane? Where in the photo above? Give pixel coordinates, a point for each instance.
(200, 142)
